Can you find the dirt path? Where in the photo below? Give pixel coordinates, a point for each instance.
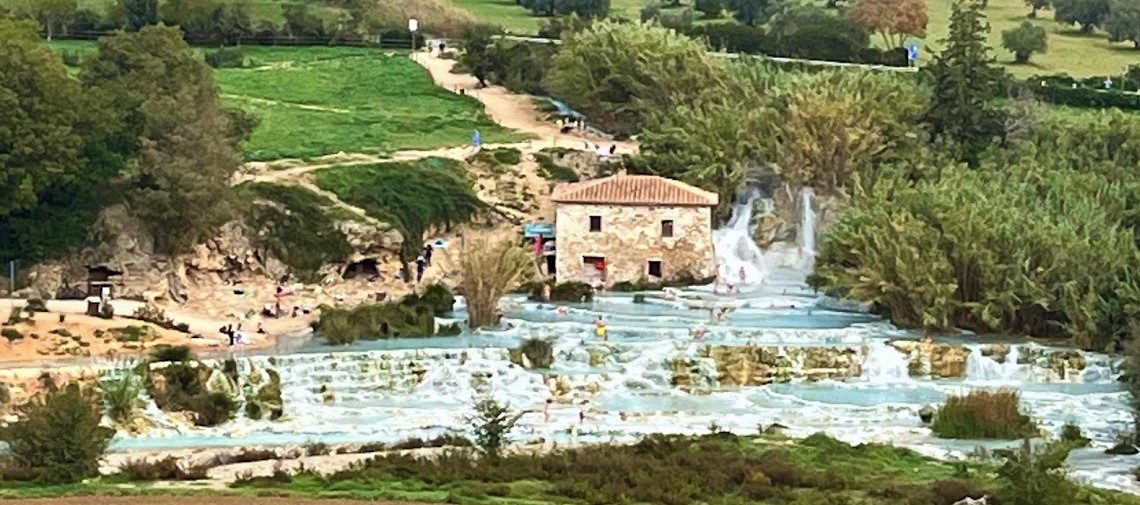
(194, 500)
(511, 110)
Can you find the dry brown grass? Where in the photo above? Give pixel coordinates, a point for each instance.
(983, 414)
(436, 17)
(489, 271)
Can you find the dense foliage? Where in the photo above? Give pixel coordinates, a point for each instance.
(410, 317)
(412, 196)
(965, 82)
(616, 73)
(982, 414)
(1024, 40)
(58, 438)
(297, 226)
(489, 271)
(1016, 245)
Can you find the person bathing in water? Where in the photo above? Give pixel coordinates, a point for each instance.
(600, 328)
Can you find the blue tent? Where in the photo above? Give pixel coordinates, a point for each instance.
(531, 230)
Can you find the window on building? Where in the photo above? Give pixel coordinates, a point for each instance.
(654, 268)
(595, 223)
(667, 228)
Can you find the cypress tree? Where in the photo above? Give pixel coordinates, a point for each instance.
(965, 80)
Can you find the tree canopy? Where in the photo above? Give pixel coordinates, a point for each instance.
(1024, 40)
(1123, 22)
(965, 81)
(894, 20)
(41, 108)
(616, 72)
(1087, 13)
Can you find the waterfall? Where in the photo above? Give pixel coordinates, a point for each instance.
(885, 364)
(735, 249)
(808, 220)
(982, 368)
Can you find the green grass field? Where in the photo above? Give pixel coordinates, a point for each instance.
(322, 100)
(1069, 51)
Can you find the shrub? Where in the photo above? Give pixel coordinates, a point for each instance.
(121, 397)
(439, 298)
(175, 353)
(565, 292)
(552, 170)
(58, 436)
(106, 310)
(181, 387)
(297, 226)
(951, 491)
(501, 156)
(153, 314)
(35, 305)
(161, 469)
(11, 334)
(375, 321)
(226, 57)
(489, 271)
(538, 351)
(1024, 40)
(983, 414)
(1071, 434)
(5, 395)
(15, 316)
(1036, 476)
(492, 424)
(711, 9)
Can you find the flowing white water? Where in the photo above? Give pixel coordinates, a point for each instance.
(884, 363)
(652, 376)
(808, 221)
(985, 369)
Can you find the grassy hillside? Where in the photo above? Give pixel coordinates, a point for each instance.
(1069, 51)
(323, 100)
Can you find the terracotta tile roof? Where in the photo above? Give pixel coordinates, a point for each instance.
(623, 189)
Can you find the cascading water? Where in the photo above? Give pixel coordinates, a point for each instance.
(884, 363)
(735, 249)
(982, 368)
(808, 221)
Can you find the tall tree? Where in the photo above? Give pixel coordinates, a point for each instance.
(965, 78)
(894, 20)
(170, 117)
(1037, 5)
(1087, 13)
(616, 72)
(751, 12)
(1123, 22)
(54, 15)
(1023, 41)
(41, 145)
(139, 13)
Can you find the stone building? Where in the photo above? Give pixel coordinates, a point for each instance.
(633, 227)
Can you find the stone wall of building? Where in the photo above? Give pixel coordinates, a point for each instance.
(630, 238)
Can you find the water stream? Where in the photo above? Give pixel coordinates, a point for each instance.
(782, 354)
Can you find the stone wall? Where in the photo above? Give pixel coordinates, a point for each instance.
(630, 238)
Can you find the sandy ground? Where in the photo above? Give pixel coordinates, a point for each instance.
(192, 500)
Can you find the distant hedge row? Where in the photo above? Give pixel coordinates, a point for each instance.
(829, 42)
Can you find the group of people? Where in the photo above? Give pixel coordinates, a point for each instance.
(730, 287)
(568, 125)
(235, 335)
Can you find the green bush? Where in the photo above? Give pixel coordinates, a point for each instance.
(11, 334)
(376, 321)
(1036, 476)
(297, 226)
(504, 156)
(439, 298)
(413, 196)
(106, 310)
(5, 395)
(539, 352)
(58, 437)
(1014, 246)
(563, 292)
(552, 170)
(226, 57)
(1071, 434)
(121, 397)
(983, 414)
(35, 305)
(181, 387)
(175, 353)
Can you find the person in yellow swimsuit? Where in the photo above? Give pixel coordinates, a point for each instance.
(600, 328)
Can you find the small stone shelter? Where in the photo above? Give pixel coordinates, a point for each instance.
(633, 228)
